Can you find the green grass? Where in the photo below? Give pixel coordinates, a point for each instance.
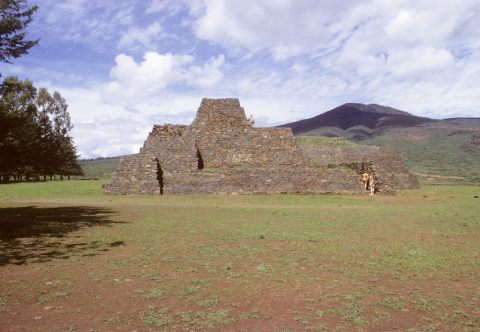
(54, 189)
(321, 140)
(102, 167)
(276, 262)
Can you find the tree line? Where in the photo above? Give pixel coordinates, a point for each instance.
(34, 140)
(34, 124)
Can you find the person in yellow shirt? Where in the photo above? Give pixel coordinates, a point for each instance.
(365, 180)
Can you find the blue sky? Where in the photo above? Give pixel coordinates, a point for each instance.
(126, 65)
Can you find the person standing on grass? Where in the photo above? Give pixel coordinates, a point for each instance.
(365, 180)
(372, 183)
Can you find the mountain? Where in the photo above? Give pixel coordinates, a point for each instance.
(356, 121)
(447, 148)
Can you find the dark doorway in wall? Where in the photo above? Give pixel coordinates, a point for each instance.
(199, 158)
(160, 176)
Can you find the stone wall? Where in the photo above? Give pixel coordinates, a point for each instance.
(159, 158)
(387, 163)
(135, 175)
(173, 153)
(225, 139)
(241, 181)
(221, 153)
(168, 130)
(291, 180)
(384, 159)
(228, 147)
(220, 113)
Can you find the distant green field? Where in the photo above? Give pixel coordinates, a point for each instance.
(321, 140)
(54, 189)
(102, 168)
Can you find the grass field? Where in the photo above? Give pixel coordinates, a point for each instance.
(322, 140)
(102, 168)
(75, 260)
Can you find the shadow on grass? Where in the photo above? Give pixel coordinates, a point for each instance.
(35, 233)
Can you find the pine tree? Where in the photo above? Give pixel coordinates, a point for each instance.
(55, 123)
(15, 17)
(34, 130)
(70, 165)
(19, 131)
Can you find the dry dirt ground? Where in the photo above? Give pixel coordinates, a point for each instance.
(386, 263)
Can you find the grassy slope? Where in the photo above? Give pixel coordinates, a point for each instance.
(426, 149)
(433, 150)
(54, 189)
(103, 168)
(227, 263)
(318, 140)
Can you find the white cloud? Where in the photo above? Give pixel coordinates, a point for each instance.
(81, 21)
(156, 6)
(107, 136)
(102, 129)
(359, 36)
(145, 37)
(287, 28)
(135, 82)
(207, 75)
(171, 6)
(418, 63)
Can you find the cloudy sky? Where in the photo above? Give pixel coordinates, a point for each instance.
(124, 65)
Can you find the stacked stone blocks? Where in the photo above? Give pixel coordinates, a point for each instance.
(389, 167)
(220, 153)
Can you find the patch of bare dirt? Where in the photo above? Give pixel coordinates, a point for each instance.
(72, 297)
(52, 279)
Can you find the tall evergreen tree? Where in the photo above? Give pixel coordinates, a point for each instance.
(19, 131)
(55, 124)
(34, 130)
(69, 165)
(15, 17)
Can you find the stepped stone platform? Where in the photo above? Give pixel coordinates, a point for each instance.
(387, 164)
(221, 153)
